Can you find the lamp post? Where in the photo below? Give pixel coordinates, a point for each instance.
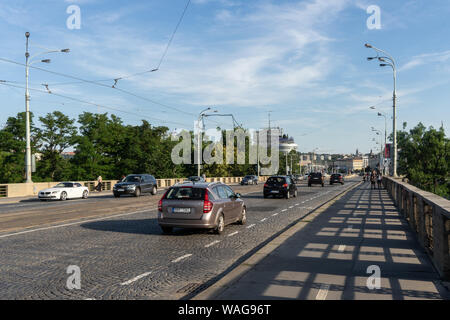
(199, 137)
(390, 63)
(378, 132)
(28, 63)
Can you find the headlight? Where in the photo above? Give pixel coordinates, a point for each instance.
(131, 187)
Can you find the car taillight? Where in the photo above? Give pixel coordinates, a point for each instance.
(266, 185)
(207, 205)
(285, 185)
(160, 201)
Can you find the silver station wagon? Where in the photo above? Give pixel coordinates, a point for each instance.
(203, 205)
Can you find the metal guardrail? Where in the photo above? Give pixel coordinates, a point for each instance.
(429, 216)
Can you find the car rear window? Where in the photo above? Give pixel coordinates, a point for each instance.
(186, 193)
(316, 175)
(275, 180)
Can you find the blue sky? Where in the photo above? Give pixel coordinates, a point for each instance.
(303, 60)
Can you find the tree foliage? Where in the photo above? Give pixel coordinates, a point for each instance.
(424, 157)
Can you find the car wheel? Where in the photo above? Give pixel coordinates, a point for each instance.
(154, 190)
(137, 193)
(243, 216)
(266, 196)
(323, 185)
(116, 195)
(63, 196)
(166, 230)
(309, 185)
(295, 194)
(331, 183)
(85, 194)
(220, 225)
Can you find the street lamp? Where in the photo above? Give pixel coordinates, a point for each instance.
(199, 137)
(27, 103)
(389, 61)
(379, 133)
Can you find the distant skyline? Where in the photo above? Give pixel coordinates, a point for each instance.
(304, 61)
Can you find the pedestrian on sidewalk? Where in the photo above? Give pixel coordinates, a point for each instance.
(372, 180)
(379, 179)
(99, 186)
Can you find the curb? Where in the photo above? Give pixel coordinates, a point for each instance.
(213, 291)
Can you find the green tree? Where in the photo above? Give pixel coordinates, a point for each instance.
(58, 133)
(424, 157)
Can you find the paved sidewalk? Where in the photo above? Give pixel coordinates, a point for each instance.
(330, 256)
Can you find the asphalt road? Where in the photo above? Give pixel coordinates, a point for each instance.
(121, 251)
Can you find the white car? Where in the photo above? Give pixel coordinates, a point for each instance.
(63, 191)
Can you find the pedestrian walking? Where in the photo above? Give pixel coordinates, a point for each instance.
(379, 179)
(372, 180)
(99, 186)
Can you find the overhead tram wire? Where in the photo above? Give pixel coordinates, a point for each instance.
(4, 83)
(99, 84)
(147, 71)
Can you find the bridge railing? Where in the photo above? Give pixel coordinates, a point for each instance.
(429, 216)
(32, 189)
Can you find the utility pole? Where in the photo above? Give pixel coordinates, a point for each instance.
(27, 117)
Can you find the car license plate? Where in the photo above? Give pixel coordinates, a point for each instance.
(181, 210)
(275, 191)
(119, 189)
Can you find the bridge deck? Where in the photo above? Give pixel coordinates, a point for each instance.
(334, 257)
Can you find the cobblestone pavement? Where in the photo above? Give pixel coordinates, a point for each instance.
(127, 256)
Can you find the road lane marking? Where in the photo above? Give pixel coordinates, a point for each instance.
(135, 279)
(212, 243)
(182, 257)
(291, 207)
(275, 214)
(251, 226)
(78, 222)
(341, 248)
(262, 220)
(323, 292)
(297, 204)
(232, 234)
(283, 210)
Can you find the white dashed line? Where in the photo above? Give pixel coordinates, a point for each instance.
(135, 279)
(275, 214)
(212, 243)
(323, 292)
(251, 226)
(182, 257)
(283, 210)
(232, 234)
(297, 204)
(262, 220)
(291, 207)
(341, 248)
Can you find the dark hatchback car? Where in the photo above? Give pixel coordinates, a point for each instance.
(316, 178)
(207, 205)
(250, 179)
(337, 178)
(280, 186)
(136, 184)
(196, 179)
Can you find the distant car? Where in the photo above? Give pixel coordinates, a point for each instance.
(280, 186)
(316, 178)
(205, 205)
(251, 179)
(136, 184)
(337, 178)
(196, 179)
(63, 191)
(298, 178)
